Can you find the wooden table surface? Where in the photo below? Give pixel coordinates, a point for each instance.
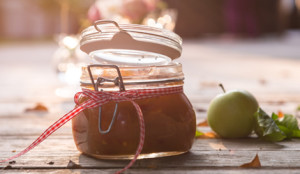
(269, 68)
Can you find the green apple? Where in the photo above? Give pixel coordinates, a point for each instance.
(231, 114)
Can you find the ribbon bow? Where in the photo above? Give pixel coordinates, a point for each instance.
(99, 98)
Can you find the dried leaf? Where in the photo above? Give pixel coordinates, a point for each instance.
(217, 146)
(203, 123)
(279, 102)
(51, 163)
(262, 81)
(12, 162)
(152, 166)
(209, 84)
(7, 167)
(38, 107)
(255, 163)
(201, 110)
(208, 135)
(72, 165)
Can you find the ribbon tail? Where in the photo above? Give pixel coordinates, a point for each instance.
(48, 132)
(142, 137)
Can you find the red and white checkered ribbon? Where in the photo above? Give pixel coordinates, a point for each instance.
(98, 98)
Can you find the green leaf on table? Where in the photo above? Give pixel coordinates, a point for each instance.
(274, 116)
(276, 127)
(198, 133)
(288, 132)
(289, 125)
(290, 122)
(266, 128)
(296, 133)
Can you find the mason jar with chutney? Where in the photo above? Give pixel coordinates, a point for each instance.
(130, 57)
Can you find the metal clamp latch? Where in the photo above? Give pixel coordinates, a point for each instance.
(118, 81)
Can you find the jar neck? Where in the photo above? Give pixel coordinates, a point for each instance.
(108, 78)
(113, 87)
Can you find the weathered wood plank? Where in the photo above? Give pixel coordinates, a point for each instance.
(30, 124)
(189, 160)
(35, 123)
(205, 153)
(158, 171)
(58, 142)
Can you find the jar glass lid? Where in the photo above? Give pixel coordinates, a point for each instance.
(130, 44)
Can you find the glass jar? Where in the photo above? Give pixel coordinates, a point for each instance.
(132, 57)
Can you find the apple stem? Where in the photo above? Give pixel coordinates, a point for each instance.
(221, 85)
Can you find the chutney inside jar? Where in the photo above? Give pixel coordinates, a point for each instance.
(170, 121)
(169, 128)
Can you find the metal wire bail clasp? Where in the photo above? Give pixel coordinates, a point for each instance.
(118, 81)
(100, 22)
